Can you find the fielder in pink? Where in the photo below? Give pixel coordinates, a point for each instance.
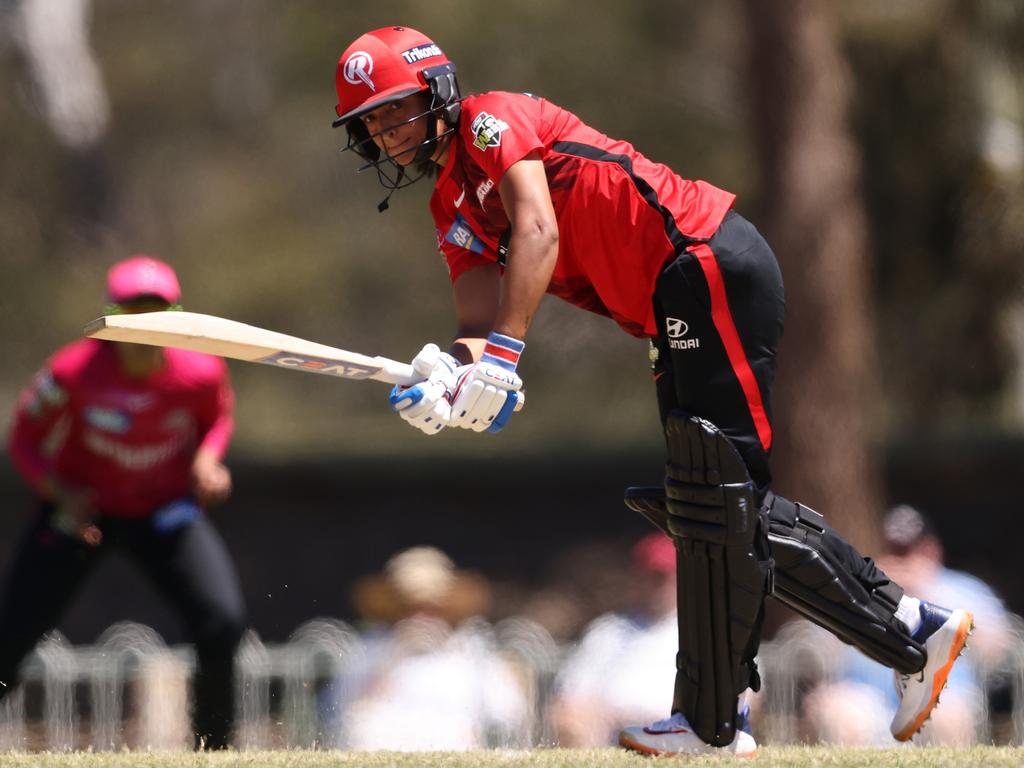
(124, 446)
(130, 441)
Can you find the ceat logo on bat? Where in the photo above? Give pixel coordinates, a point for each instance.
(319, 365)
(358, 68)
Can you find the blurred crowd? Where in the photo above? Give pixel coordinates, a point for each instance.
(433, 664)
(427, 667)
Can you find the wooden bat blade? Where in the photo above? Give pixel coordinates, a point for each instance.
(238, 341)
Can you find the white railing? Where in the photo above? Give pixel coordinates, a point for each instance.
(131, 690)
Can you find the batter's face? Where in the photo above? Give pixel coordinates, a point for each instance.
(399, 128)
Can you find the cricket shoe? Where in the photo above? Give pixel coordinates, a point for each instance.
(944, 636)
(675, 737)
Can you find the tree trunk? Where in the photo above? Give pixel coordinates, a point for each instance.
(814, 219)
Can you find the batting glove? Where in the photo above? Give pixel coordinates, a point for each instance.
(487, 392)
(427, 405)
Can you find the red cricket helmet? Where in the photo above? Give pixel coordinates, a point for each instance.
(386, 65)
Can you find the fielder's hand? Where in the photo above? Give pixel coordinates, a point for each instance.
(73, 511)
(427, 405)
(211, 480)
(487, 392)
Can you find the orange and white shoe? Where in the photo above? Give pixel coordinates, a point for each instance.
(944, 635)
(675, 737)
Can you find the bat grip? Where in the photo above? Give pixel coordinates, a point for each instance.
(394, 372)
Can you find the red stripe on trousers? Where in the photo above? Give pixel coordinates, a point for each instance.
(722, 318)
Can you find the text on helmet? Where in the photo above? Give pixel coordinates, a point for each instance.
(421, 52)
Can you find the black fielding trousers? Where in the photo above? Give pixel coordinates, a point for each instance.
(719, 307)
(190, 567)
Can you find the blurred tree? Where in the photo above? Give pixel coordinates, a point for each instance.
(814, 218)
(939, 114)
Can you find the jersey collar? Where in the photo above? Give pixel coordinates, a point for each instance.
(453, 159)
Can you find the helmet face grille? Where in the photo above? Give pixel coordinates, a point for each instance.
(391, 173)
(361, 141)
(445, 103)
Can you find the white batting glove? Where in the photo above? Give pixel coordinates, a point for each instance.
(487, 391)
(427, 405)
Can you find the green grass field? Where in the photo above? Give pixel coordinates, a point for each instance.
(775, 757)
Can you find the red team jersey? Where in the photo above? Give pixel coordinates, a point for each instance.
(131, 441)
(620, 216)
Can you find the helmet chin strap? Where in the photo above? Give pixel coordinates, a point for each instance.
(362, 143)
(424, 155)
(383, 204)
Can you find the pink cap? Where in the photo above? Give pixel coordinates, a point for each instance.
(140, 276)
(655, 553)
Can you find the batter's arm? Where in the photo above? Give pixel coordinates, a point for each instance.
(533, 247)
(476, 293)
(485, 302)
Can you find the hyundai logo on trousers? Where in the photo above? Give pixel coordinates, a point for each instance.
(676, 329)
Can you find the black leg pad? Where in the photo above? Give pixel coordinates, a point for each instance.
(810, 578)
(723, 574)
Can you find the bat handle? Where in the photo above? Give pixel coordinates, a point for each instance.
(394, 372)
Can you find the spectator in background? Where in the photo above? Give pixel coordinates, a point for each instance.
(123, 444)
(856, 707)
(622, 667)
(433, 679)
(53, 35)
(69, 92)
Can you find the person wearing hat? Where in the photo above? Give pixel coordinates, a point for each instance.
(123, 445)
(433, 677)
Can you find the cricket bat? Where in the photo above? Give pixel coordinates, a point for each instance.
(238, 341)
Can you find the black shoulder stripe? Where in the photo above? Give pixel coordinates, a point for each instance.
(680, 242)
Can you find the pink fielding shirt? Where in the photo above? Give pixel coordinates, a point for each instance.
(131, 442)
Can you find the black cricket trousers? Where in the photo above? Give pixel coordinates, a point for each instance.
(188, 564)
(719, 307)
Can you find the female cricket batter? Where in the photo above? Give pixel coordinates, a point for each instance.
(529, 200)
(123, 445)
